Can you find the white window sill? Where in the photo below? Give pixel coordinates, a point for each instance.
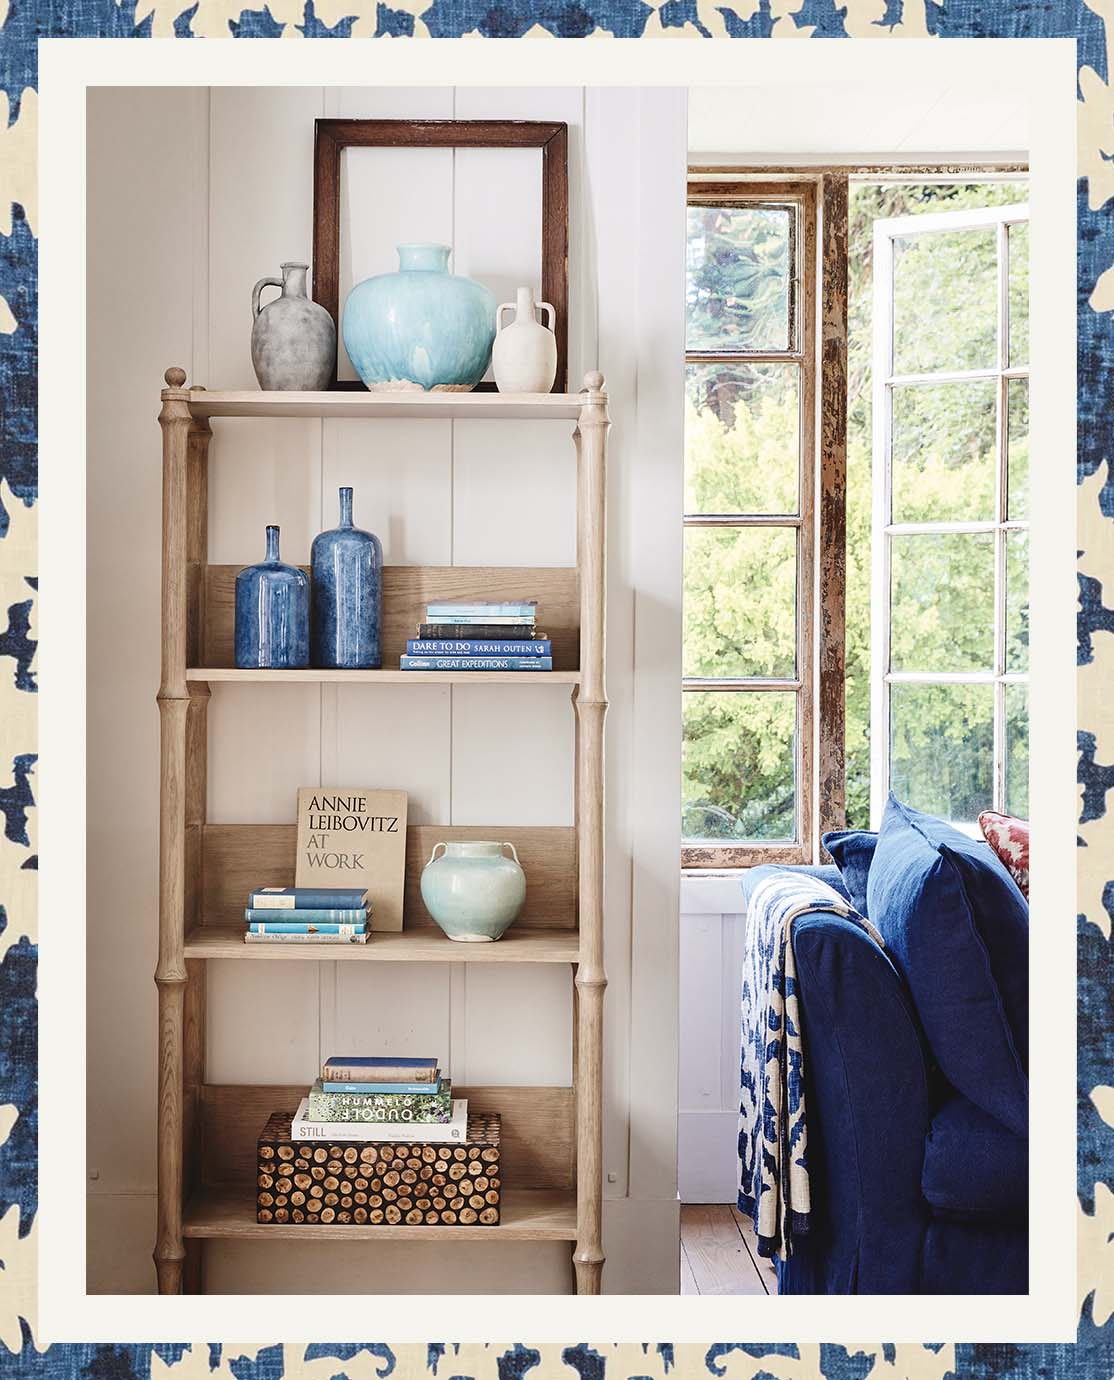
(712, 893)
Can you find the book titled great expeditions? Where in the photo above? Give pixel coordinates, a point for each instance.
(351, 837)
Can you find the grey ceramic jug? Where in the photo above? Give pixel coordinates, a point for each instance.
(293, 339)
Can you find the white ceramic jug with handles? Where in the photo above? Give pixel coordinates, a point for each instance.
(524, 356)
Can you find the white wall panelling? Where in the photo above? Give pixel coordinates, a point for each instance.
(711, 972)
(137, 259)
(436, 493)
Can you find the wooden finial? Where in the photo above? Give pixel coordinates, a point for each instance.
(175, 377)
(593, 381)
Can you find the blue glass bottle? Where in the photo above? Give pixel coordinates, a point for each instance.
(347, 590)
(272, 613)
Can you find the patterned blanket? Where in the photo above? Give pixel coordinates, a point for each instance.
(773, 1135)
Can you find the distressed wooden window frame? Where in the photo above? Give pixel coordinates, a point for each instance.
(802, 351)
(824, 767)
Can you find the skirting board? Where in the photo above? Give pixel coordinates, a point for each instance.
(706, 1153)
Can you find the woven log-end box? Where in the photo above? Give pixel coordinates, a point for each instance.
(346, 1182)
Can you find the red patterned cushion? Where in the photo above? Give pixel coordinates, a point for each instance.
(1009, 838)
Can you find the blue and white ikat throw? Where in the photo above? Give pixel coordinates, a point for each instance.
(773, 1135)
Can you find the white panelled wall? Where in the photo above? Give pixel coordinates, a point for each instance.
(712, 934)
(193, 195)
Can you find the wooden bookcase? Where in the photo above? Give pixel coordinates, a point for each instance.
(552, 1137)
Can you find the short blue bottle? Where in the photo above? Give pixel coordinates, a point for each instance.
(272, 613)
(347, 595)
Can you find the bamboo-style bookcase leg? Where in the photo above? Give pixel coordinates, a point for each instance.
(591, 707)
(182, 714)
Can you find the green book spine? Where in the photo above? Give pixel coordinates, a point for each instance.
(426, 1108)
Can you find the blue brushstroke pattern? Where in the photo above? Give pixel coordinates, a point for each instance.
(26, 22)
(16, 642)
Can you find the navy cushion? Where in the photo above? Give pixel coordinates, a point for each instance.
(957, 927)
(852, 851)
(973, 1166)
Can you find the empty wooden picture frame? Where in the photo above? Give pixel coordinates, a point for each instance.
(332, 137)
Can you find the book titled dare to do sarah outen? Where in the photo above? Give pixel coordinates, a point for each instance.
(355, 838)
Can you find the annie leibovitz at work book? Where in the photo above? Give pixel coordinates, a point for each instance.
(355, 838)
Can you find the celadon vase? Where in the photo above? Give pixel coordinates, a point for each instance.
(346, 566)
(272, 613)
(422, 327)
(473, 890)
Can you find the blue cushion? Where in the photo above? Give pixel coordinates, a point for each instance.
(852, 851)
(957, 927)
(974, 1167)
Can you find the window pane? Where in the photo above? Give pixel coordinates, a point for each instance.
(739, 267)
(1017, 420)
(942, 602)
(1017, 750)
(742, 438)
(740, 601)
(738, 779)
(944, 449)
(1017, 600)
(1018, 242)
(942, 748)
(945, 301)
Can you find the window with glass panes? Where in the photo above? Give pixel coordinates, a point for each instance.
(749, 541)
(950, 614)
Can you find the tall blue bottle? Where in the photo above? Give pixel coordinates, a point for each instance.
(272, 613)
(347, 593)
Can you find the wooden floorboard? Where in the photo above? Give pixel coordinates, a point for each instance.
(716, 1253)
(762, 1263)
(688, 1279)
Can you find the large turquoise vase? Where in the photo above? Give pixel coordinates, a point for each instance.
(422, 327)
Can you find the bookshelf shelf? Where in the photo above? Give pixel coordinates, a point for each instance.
(223, 674)
(410, 946)
(527, 1214)
(551, 1137)
(358, 404)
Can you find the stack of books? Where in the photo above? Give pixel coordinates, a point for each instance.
(381, 1099)
(479, 637)
(307, 915)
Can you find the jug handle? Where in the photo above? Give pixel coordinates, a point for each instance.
(264, 282)
(503, 306)
(433, 855)
(513, 853)
(552, 323)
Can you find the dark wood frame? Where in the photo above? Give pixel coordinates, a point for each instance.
(331, 137)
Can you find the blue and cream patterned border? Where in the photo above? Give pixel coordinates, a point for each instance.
(22, 22)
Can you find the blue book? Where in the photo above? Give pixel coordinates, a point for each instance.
(465, 647)
(302, 927)
(308, 898)
(475, 663)
(452, 612)
(419, 1089)
(292, 919)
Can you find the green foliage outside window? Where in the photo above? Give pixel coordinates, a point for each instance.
(741, 438)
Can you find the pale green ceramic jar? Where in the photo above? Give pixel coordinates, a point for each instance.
(473, 890)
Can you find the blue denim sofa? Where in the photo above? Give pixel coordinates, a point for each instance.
(914, 1189)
